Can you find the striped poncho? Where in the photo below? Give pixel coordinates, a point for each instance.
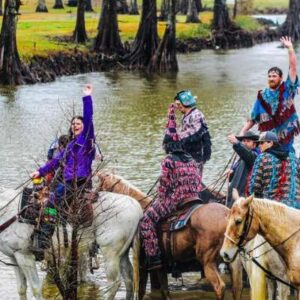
(274, 110)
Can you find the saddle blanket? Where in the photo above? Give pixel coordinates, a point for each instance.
(183, 217)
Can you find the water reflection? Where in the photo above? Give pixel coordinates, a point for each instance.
(130, 115)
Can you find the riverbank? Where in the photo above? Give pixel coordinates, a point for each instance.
(78, 61)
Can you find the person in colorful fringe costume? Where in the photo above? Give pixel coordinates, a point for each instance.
(245, 147)
(193, 133)
(179, 180)
(274, 108)
(275, 172)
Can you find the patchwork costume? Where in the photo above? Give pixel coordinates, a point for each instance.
(193, 133)
(274, 110)
(180, 179)
(275, 176)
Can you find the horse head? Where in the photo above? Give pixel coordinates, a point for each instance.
(110, 182)
(241, 227)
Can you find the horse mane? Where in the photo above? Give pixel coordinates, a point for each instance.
(117, 184)
(273, 208)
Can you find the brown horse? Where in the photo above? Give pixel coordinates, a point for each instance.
(200, 240)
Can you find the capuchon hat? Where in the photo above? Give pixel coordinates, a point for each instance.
(268, 136)
(250, 135)
(186, 98)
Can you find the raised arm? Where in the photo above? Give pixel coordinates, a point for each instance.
(88, 129)
(247, 126)
(287, 43)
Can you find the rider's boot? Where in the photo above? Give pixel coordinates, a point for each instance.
(153, 262)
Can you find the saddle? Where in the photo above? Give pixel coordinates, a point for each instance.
(167, 231)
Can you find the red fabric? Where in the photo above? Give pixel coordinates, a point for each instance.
(282, 180)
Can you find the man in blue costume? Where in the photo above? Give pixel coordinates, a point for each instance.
(274, 108)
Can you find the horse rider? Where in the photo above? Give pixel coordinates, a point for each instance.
(193, 133)
(274, 108)
(78, 155)
(180, 181)
(246, 147)
(275, 172)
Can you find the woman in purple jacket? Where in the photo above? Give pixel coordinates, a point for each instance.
(76, 159)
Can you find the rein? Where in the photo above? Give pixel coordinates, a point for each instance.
(242, 250)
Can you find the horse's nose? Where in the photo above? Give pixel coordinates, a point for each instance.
(225, 256)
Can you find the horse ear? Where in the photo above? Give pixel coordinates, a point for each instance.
(248, 200)
(235, 194)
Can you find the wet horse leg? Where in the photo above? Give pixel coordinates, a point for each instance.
(26, 262)
(163, 280)
(127, 274)
(112, 262)
(21, 281)
(236, 273)
(208, 257)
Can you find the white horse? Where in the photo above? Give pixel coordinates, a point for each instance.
(15, 242)
(271, 261)
(114, 227)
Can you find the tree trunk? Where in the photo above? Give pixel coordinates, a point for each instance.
(181, 7)
(88, 6)
(221, 19)
(165, 59)
(72, 3)
(108, 40)
(291, 26)
(146, 40)
(122, 7)
(164, 10)
(199, 5)
(133, 7)
(235, 9)
(12, 72)
(58, 4)
(79, 35)
(41, 7)
(1, 4)
(192, 13)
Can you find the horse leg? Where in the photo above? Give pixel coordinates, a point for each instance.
(21, 281)
(143, 282)
(26, 262)
(127, 274)
(283, 291)
(271, 284)
(112, 262)
(236, 272)
(163, 280)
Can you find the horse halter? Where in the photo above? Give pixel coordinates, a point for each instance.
(247, 225)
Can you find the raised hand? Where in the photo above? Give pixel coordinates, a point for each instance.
(286, 42)
(88, 89)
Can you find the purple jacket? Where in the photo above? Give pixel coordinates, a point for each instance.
(78, 156)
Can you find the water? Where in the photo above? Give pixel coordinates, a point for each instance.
(130, 115)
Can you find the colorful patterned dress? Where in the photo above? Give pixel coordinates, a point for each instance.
(179, 179)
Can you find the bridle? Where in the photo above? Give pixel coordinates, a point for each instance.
(246, 228)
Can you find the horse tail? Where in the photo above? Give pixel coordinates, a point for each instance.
(257, 276)
(136, 245)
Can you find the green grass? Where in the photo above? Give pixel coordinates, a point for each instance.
(37, 32)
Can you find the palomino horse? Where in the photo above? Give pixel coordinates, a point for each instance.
(277, 223)
(15, 242)
(203, 237)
